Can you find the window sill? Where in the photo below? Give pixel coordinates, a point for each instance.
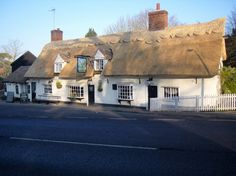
(126, 100)
(75, 98)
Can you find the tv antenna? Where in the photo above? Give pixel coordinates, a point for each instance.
(54, 12)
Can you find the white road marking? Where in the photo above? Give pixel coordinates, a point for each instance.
(170, 120)
(121, 118)
(84, 143)
(77, 117)
(222, 120)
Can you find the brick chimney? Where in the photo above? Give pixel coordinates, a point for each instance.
(158, 19)
(56, 35)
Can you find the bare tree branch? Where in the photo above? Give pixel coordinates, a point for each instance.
(135, 23)
(231, 22)
(13, 48)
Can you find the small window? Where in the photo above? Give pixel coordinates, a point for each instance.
(114, 86)
(75, 91)
(170, 92)
(81, 64)
(125, 92)
(17, 89)
(99, 64)
(47, 88)
(58, 67)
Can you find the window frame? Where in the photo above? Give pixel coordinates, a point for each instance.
(47, 88)
(125, 92)
(58, 67)
(79, 59)
(78, 91)
(171, 92)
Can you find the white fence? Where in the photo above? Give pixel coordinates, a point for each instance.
(223, 102)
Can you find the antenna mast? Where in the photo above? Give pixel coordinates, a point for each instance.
(54, 12)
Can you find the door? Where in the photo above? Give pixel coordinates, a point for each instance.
(152, 93)
(91, 94)
(33, 91)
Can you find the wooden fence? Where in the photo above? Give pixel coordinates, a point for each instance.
(224, 102)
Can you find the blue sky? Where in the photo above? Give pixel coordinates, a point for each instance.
(30, 21)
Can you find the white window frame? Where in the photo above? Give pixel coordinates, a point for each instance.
(58, 67)
(99, 61)
(171, 92)
(125, 92)
(75, 91)
(99, 64)
(47, 88)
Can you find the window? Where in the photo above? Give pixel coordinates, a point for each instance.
(170, 92)
(58, 67)
(47, 88)
(125, 92)
(114, 86)
(99, 64)
(76, 91)
(17, 89)
(81, 64)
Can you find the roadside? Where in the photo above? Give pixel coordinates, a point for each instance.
(126, 110)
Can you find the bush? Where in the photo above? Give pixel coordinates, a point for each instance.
(228, 80)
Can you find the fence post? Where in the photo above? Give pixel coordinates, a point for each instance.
(197, 104)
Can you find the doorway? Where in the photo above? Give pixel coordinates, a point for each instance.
(33, 91)
(152, 93)
(91, 94)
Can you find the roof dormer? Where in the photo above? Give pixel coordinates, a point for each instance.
(59, 63)
(99, 61)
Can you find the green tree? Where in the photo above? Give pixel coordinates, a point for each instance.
(228, 80)
(91, 33)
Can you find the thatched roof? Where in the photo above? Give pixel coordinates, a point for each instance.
(25, 59)
(18, 75)
(183, 51)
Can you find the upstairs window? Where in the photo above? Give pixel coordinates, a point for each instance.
(47, 88)
(125, 92)
(171, 92)
(81, 64)
(58, 64)
(58, 67)
(99, 61)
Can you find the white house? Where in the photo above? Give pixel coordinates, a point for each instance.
(15, 83)
(130, 68)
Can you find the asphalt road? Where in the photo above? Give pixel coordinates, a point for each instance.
(74, 140)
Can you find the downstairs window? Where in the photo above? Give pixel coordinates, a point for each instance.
(75, 92)
(171, 92)
(125, 92)
(47, 88)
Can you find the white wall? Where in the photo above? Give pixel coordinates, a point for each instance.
(58, 94)
(187, 87)
(11, 87)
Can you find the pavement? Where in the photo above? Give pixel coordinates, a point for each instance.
(100, 108)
